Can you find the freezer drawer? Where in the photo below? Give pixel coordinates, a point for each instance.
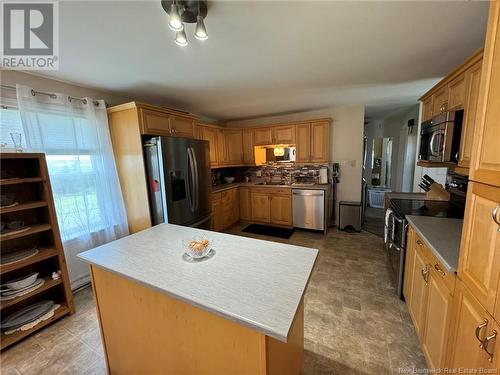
(308, 209)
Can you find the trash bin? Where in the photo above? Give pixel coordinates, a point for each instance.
(350, 216)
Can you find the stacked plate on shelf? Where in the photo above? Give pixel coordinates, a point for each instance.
(21, 286)
(28, 317)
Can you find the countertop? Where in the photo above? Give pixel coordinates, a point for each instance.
(226, 186)
(441, 235)
(252, 282)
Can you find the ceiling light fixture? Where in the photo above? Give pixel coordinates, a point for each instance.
(182, 12)
(175, 22)
(180, 38)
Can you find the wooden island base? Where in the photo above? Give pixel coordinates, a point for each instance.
(147, 332)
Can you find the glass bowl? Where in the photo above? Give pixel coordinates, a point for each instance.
(197, 247)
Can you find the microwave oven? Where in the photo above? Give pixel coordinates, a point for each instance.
(280, 153)
(440, 137)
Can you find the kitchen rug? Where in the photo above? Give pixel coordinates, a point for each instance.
(268, 230)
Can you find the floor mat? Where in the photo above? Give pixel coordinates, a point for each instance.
(267, 230)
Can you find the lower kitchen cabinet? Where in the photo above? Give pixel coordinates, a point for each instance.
(409, 264)
(471, 335)
(245, 204)
(281, 209)
(436, 321)
(417, 304)
(217, 212)
(230, 207)
(261, 207)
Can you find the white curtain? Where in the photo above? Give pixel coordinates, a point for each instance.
(75, 137)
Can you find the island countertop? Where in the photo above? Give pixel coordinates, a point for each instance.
(442, 236)
(252, 282)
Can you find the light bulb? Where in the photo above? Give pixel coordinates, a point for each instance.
(175, 22)
(180, 38)
(201, 32)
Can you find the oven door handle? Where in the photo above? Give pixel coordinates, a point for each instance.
(393, 245)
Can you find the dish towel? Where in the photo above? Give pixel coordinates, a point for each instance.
(388, 213)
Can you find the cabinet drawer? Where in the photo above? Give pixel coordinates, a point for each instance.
(448, 278)
(280, 191)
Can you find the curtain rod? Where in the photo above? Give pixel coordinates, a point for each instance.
(51, 95)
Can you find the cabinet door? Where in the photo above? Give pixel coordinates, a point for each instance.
(303, 143)
(437, 321)
(419, 290)
(234, 146)
(463, 346)
(245, 204)
(456, 92)
(248, 146)
(182, 126)
(281, 209)
(284, 134)
(440, 101)
(261, 208)
(485, 154)
(427, 109)
(154, 122)
(263, 136)
(230, 207)
(210, 135)
(473, 79)
(409, 264)
(221, 148)
(217, 212)
(235, 205)
(320, 139)
(479, 263)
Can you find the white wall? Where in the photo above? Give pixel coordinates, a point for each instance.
(346, 143)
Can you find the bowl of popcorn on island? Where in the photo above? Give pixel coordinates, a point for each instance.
(197, 247)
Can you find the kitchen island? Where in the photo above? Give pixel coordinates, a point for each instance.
(239, 312)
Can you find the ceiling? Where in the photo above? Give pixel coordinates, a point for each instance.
(264, 58)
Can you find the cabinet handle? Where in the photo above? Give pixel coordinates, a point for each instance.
(478, 332)
(425, 274)
(420, 243)
(438, 268)
(494, 214)
(486, 343)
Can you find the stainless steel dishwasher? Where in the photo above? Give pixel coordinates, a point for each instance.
(309, 209)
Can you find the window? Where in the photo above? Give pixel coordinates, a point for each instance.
(72, 175)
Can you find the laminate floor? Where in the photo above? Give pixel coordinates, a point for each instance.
(354, 323)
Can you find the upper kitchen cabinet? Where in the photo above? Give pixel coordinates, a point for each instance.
(209, 133)
(313, 141)
(248, 146)
(456, 92)
(161, 121)
(485, 164)
(263, 136)
(320, 138)
(234, 146)
(472, 78)
(284, 134)
(440, 101)
(427, 108)
(182, 126)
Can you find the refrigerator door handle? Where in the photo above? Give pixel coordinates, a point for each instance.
(196, 181)
(190, 179)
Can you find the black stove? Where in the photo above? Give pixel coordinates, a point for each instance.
(403, 207)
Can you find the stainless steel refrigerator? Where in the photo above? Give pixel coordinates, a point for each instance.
(179, 181)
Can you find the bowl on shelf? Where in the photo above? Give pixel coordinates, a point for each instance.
(229, 180)
(197, 247)
(22, 282)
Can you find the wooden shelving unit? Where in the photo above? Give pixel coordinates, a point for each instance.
(24, 179)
